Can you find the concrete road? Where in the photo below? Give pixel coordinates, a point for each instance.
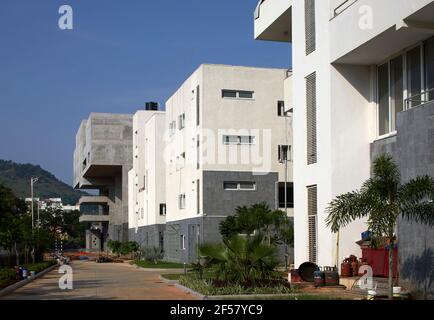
(105, 281)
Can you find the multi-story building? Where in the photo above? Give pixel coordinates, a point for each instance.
(102, 158)
(147, 180)
(364, 73)
(228, 136)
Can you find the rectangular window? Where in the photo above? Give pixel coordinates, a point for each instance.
(383, 100)
(237, 94)
(289, 194)
(182, 121)
(429, 68)
(281, 108)
(239, 140)
(197, 105)
(396, 89)
(182, 242)
(181, 201)
(309, 7)
(414, 77)
(311, 119)
(312, 208)
(198, 195)
(284, 153)
(239, 186)
(198, 151)
(162, 209)
(161, 240)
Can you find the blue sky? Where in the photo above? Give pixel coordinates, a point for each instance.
(119, 55)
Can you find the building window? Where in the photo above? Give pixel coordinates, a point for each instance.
(309, 20)
(182, 121)
(198, 152)
(239, 186)
(197, 105)
(181, 201)
(284, 153)
(182, 242)
(311, 119)
(312, 209)
(161, 240)
(237, 94)
(172, 128)
(289, 194)
(162, 209)
(281, 108)
(404, 82)
(239, 140)
(198, 195)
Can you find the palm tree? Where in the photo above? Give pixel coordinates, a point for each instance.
(382, 200)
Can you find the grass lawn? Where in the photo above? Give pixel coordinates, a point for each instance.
(175, 276)
(158, 265)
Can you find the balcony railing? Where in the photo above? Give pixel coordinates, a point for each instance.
(342, 7)
(424, 97)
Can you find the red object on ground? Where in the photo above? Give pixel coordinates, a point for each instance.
(378, 259)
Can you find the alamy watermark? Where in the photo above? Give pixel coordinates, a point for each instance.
(66, 19)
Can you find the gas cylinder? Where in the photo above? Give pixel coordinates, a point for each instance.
(346, 269)
(318, 277)
(331, 276)
(354, 268)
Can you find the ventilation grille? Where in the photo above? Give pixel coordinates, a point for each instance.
(311, 119)
(309, 7)
(312, 220)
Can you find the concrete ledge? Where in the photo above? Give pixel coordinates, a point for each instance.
(8, 290)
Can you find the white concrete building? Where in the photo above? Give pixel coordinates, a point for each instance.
(359, 66)
(147, 180)
(227, 128)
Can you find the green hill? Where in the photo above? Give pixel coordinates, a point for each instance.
(17, 177)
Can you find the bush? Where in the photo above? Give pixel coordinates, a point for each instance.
(123, 248)
(153, 254)
(208, 287)
(7, 274)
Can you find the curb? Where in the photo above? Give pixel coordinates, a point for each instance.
(8, 290)
(173, 282)
(192, 292)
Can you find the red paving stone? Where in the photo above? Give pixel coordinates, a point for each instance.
(105, 281)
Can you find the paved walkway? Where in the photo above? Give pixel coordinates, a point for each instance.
(105, 281)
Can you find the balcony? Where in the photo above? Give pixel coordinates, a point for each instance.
(273, 20)
(93, 200)
(366, 32)
(92, 218)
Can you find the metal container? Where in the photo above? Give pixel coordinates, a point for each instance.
(346, 269)
(318, 278)
(331, 276)
(294, 276)
(306, 271)
(354, 268)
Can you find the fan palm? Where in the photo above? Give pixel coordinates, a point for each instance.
(382, 200)
(240, 259)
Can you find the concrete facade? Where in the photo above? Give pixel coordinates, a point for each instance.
(223, 126)
(102, 159)
(413, 150)
(147, 179)
(347, 45)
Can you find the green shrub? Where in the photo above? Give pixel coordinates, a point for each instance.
(153, 254)
(7, 274)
